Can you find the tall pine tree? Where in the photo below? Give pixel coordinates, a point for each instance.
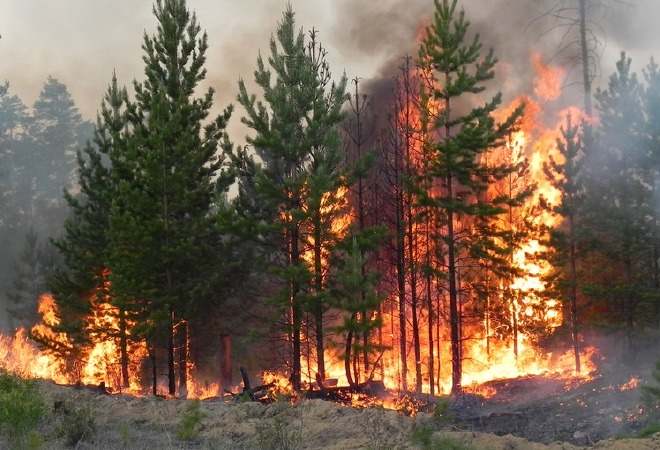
(161, 219)
(457, 161)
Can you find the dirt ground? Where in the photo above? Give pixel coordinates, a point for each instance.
(122, 422)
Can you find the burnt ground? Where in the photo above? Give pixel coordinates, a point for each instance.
(548, 410)
(538, 409)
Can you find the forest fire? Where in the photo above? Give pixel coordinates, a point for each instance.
(501, 310)
(488, 352)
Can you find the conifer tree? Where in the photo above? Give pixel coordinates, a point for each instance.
(296, 141)
(456, 160)
(618, 206)
(161, 219)
(353, 292)
(82, 282)
(326, 196)
(651, 105)
(567, 178)
(30, 271)
(58, 131)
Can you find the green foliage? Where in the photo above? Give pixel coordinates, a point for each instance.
(649, 430)
(294, 185)
(190, 422)
(22, 408)
(276, 434)
(77, 425)
(441, 411)
(651, 392)
(425, 439)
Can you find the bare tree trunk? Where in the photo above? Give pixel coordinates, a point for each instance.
(454, 317)
(318, 285)
(154, 368)
(296, 313)
(584, 49)
(171, 376)
(183, 359)
(123, 349)
(347, 358)
(412, 266)
(401, 276)
(573, 294)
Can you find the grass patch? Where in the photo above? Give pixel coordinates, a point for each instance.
(190, 423)
(77, 425)
(649, 430)
(424, 438)
(22, 407)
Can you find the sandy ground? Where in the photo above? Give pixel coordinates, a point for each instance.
(149, 423)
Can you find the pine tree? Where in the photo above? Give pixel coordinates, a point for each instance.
(161, 219)
(618, 204)
(58, 130)
(651, 105)
(566, 176)
(353, 292)
(296, 143)
(326, 196)
(30, 271)
(456, 156)
(81, 284)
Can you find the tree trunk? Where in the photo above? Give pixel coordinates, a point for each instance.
(154, 369)
(456, 363)
(401, 278)
(584, 49)
(225, 362)
(573, 294)
(123, 349)
(318, 285)
(296, 315)
(183, 360)
(171, 375)
(347, 358)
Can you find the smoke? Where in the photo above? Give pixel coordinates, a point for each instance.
(83, 43)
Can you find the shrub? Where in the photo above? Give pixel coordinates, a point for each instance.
(424, 438)
(190, 423)
(280, 433)
(78, 425)
(441, 411)
(22, 408)
(649, 430)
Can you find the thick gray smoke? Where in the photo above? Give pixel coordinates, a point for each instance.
(82, 43)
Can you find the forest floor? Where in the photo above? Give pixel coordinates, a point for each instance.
(530, 414)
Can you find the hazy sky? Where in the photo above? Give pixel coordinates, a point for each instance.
(80, 42)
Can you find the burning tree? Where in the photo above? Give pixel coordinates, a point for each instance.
(458, 150)
(162, 213)
(298, 179)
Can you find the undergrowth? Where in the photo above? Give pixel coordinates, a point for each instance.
(22, 407)
(425, 439)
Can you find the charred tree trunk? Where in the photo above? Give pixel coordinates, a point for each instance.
(154, 369)
(412, 266)
(171, 375)
(318, 285)
(454, 316)
(123, 348)
(296, 313)
(347, 358)
(573, 293)
(584, 50)
(401, 274)
(183, 359)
